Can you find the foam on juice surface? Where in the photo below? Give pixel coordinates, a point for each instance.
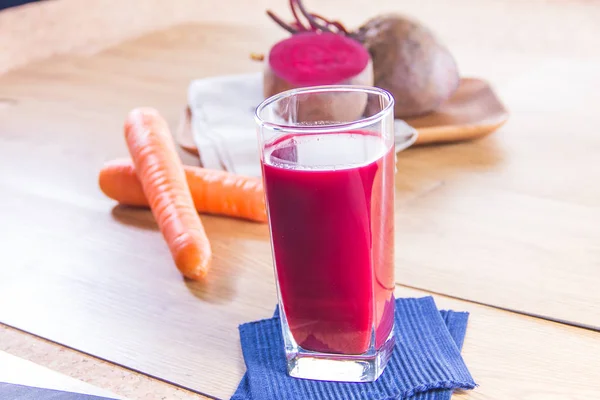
(325, 151)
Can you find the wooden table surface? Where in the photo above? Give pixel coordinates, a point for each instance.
(505, 227)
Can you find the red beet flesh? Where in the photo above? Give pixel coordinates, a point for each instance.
(311, 58)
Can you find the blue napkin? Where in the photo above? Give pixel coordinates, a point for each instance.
(13, 3)
(9, 391)
(426, 363)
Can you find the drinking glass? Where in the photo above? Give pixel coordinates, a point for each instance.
(328, 166)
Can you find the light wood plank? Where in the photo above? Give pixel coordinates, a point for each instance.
(512, 220)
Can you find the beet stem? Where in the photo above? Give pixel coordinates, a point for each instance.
(299, 23)
(316, 22)
(313, 23)
(324, 28)
(280, 22)
(340, 27)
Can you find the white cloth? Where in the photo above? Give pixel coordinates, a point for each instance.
(223, 123)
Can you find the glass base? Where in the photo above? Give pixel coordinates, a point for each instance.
(366, 367)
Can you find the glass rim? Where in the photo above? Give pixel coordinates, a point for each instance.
(328, 127)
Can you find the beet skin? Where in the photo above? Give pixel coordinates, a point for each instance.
(410, 63)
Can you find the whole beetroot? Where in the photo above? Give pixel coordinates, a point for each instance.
(410, 63)
(408, 60)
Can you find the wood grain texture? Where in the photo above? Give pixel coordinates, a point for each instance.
(509, 220)
(512, 220)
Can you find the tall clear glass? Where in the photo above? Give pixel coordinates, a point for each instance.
(328, 164)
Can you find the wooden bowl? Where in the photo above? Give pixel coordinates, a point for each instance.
(472, 112)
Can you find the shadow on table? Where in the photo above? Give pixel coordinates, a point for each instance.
(217, 227)
(138, 217)
(219, 285)
(217, 288)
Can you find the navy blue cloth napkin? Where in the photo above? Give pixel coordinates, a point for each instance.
(9, 391)
(13, 3)
(426, 363)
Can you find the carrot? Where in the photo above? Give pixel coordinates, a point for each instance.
(160, 172)
(213, 192)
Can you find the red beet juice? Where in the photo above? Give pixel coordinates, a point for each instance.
(330, 199)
